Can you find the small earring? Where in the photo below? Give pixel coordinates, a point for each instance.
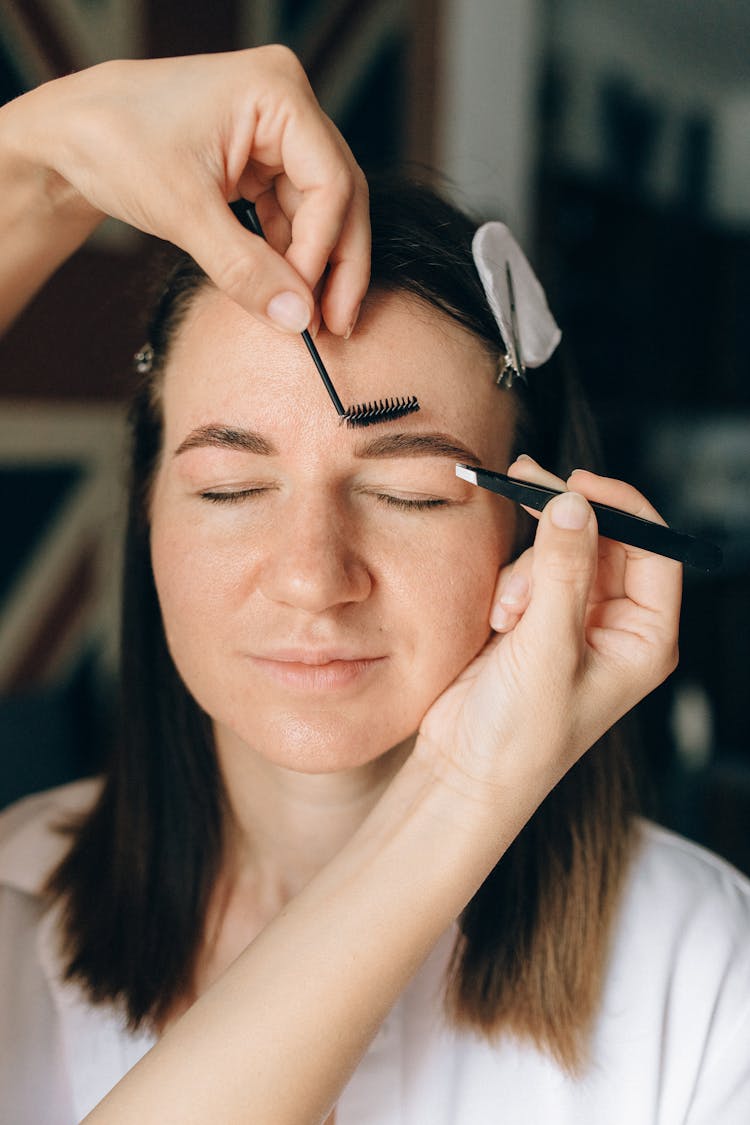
(143, 359)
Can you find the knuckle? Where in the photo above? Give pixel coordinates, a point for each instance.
(285, 58)
(360, 184)
(671, 660)
(236, 275)
(662, 661)
(293, 73)
(341, 186)
(569, 568)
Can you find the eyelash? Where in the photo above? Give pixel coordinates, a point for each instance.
(230, 497)
(399, 502)
(405, 505)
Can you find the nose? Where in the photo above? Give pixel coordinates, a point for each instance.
(313, 560)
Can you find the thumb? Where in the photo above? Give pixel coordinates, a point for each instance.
(563, 569)
(249, 270)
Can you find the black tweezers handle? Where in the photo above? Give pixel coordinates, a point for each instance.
(613, 523)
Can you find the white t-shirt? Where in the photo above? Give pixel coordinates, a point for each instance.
(671, 1045)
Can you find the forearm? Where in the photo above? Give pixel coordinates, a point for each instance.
(42, 219)
(277, 1038)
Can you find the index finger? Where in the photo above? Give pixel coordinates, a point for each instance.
(349, 274)
(330, 218)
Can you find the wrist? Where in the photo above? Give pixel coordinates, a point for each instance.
(494, 788)
(444, 827)
(32, 186)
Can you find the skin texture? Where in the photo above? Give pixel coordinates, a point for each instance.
(319, 559)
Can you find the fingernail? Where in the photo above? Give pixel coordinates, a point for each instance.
(289, 311)
(525, 457)
(516, 590)
(499, 618)
(569, 511)
(314, 326)
(353, 324)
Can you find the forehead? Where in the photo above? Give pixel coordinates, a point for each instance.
(225, 367)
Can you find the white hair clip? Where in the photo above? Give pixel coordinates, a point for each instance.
(517, 300)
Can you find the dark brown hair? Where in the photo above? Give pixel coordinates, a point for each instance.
(139, 875)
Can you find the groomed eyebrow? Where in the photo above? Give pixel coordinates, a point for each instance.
(250, 441)
(383, 446)
(417, 445)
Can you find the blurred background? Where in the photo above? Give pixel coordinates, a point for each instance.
(613, 136)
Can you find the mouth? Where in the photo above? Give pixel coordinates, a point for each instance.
(317, 671)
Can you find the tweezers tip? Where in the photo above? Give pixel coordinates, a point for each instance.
(466, 473)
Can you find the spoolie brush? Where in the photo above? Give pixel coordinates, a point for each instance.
(364, 414)
(367, 413)
(384, 410)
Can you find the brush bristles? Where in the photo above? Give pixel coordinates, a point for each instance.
(385, 410)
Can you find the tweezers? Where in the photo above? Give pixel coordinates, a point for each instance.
(613, 523)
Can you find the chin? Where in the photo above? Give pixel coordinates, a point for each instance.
(325, 743)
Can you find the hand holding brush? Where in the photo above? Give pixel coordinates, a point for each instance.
(363, 414)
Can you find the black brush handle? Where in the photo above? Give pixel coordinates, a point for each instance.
(323, 373)
(245, 211)
(613, 523)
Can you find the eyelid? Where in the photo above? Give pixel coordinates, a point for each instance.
(230, 496)
(411, 491)
(414, 503)
(422, 479)
(403, 503)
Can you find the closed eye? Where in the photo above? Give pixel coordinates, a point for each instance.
(232, 497)
(406, 505)
(403, 503)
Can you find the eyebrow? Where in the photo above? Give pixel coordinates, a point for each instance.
(417, 445)
(229, 438)
(384, 446)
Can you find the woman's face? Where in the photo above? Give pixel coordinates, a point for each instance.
(320, 586)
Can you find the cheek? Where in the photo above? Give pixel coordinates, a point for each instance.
(449, 596)
(197, 580)
(430, 601)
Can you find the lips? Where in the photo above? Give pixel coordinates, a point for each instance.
(315, 656)
(316, 669)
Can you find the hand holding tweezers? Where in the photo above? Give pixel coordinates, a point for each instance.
(613, 523)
